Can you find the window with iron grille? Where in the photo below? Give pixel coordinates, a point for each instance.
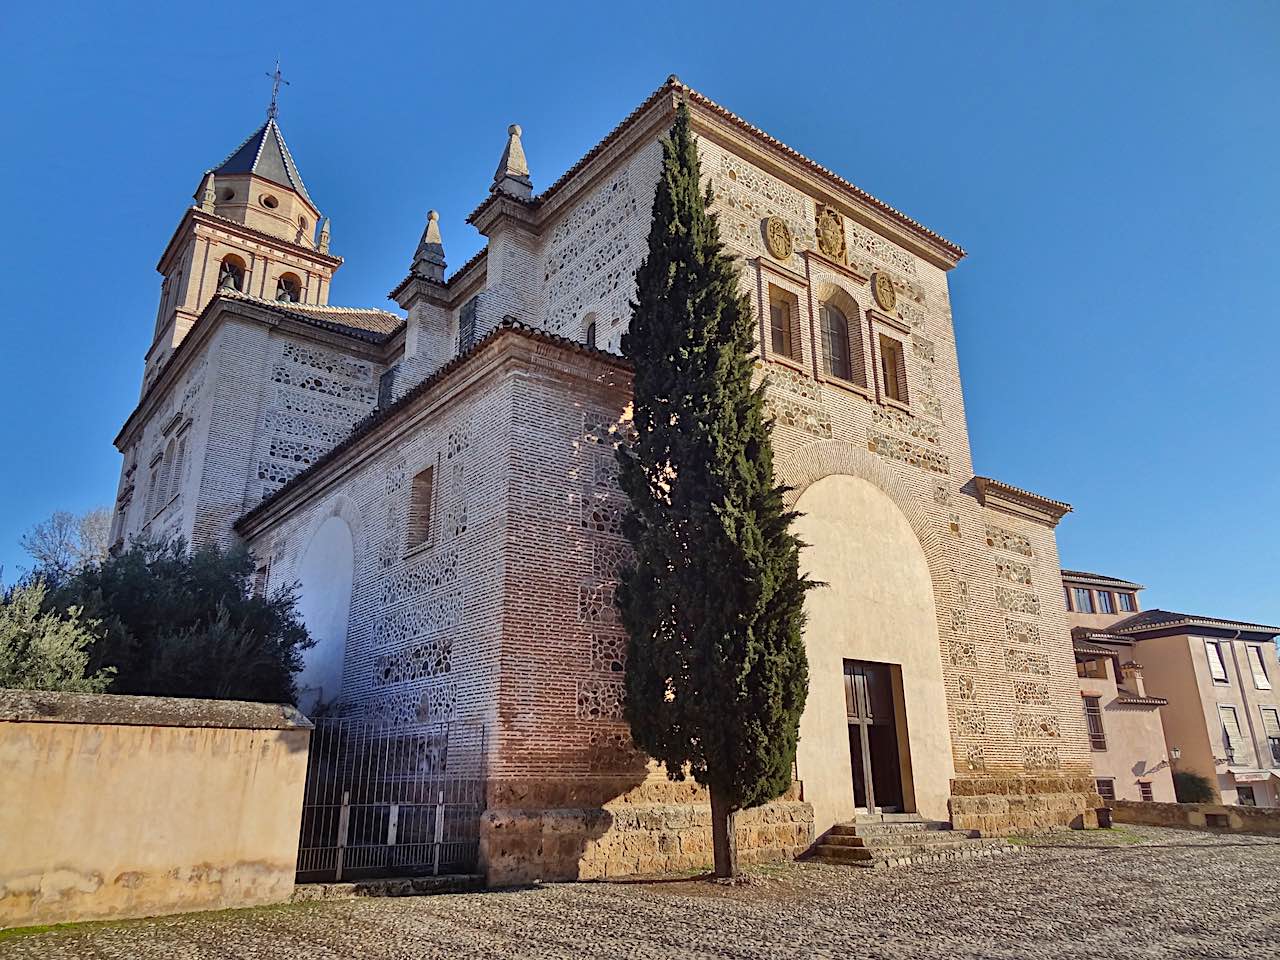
(1271, 729)
(1093, 718)
(1107, 789)
(1144, 790)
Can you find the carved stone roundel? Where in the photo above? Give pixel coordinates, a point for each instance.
(882, 286)
(830, 233)
(777, 237)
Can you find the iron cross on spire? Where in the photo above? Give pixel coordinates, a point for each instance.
(277, 78)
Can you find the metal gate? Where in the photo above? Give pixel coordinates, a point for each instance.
(390, 800)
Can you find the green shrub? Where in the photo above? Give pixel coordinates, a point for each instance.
(1192, 788)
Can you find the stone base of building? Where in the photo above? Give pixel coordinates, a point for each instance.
(540, 831)
(1002, 805)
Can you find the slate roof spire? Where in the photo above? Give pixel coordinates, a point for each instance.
(264, 154)
(428, 260)
(512, 175)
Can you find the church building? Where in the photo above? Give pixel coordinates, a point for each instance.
(440, 479)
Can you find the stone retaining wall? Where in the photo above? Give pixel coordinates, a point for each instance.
(1004, 805)
(654, 827)
(1198, 815)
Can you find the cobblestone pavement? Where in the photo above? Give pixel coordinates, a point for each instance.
(1140, 892)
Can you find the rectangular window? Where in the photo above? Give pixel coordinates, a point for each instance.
(1217, 668)
(1259, 666)
(1232, 738)
(387, 387)
(1082, 599)
(1271, 730)
(467, 325)
(784, 323)
(1245, 796)
(1107, 789)
(1144, 790)
(1127, 603)
(1105, 602)
(1093, 719)
(420, 507)
(893, 369)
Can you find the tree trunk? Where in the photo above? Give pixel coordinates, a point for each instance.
(724, 839)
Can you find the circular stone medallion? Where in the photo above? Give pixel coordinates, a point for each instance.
(777, 237)
(882, 286)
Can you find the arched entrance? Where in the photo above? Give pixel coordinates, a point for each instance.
(324, 603)
(874, 732)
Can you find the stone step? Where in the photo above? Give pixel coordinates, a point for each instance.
(910, 854)
(923, 837)
(893, 827)
(887, 818)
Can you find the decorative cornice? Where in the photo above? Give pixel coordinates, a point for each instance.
(1019, 502)
(215, 221)
(1098, 580)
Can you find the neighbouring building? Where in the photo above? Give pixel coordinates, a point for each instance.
(1123, 722)
(1212, 682)
(442, 483)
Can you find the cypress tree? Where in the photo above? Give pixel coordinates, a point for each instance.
(713, 601)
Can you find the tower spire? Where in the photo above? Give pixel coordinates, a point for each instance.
(277, 78)
(428, 259)
(512, 175)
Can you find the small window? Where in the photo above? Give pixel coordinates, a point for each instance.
(226, 194)
(893, 369)
(1082, 599)
(1094, 668)
(386, 387)
(288, 289)
(1245, 796)
(268, 201)
(1259, 666)
(231, 274)
(467, 325)
(1232, 738)
(1107, 790)
(261, 576)
(784, 324)
(1127, 602)
(1093, 719)
(1067, 592)
(837, 357)
(1144, 791)
(1106, 602)
(1217, 668)
(589, 337)
(420, 507)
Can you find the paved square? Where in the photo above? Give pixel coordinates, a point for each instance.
(1147, 893)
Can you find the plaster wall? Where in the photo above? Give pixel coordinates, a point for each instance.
(877, 605)
(145, 807)
(1135, 742)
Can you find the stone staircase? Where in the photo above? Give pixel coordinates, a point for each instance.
(902, 839)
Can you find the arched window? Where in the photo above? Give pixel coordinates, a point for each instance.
(591, 334)
(288, 288)
(835, 342)
(231, 273)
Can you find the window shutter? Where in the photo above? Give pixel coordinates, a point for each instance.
(1271, 721)
(1233, 739)
(1260, 679)
(1217, 668)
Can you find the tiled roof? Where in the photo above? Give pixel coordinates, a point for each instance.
(1149, 620)
(673, 85)
(365, 323)
(1099, 578)
(264, 154)
(1092, 649)
(1136, 701)
(508, 326)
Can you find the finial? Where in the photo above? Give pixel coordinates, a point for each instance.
(324, 236)
(428, 259)
(206, 195)
(277, 78)
(674, 80)
(512, 175)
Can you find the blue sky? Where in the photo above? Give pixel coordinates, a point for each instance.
(1111, 169)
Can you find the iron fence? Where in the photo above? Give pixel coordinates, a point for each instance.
(387, 799)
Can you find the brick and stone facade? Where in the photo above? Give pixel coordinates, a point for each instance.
(454, 474)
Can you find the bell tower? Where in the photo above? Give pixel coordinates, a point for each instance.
(253, 231)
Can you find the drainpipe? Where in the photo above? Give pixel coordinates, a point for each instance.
(1248, 708)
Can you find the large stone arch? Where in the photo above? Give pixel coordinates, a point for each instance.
(326, 574)
(881, 559)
